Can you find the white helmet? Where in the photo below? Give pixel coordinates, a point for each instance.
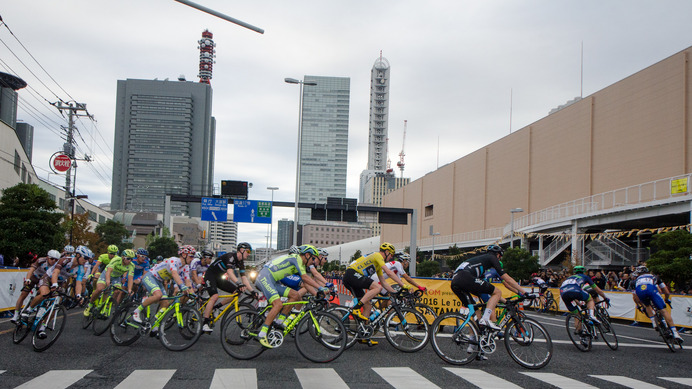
(55, 254)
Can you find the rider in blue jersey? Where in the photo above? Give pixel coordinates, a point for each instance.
(648, 291)
(577, 287)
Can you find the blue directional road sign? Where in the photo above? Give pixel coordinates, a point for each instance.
(214, 209)
(252, 211)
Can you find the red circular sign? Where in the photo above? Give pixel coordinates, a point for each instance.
(62, 163)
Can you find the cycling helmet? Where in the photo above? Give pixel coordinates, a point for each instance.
(244, 245)
(68, 249)
(387, 247)
(82, 250)
(308, 249)
(187, 249)
(128, 253)
(90, 254)
(323, 252)
(198, 255)
(495, 249)
(641, 269)
(579, 269)
(142, 251)
(53, 254)
(112, 249)
(402, 256)
(293, 250)
(207, 253)
(534, 275)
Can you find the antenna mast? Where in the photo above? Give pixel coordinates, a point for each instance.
(401, 164)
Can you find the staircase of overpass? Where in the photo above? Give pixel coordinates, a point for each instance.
(631, 206)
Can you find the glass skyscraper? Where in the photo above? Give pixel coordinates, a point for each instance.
(164, 144)
(324, 140)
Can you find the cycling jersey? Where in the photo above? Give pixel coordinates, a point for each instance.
(197, 266)
(164, 270)
(396, 268)
(279, 268)
(119, 268)
(140, 268)
(41, 267)
(105, 260)
(575, 287)
(480, 264)
(368, 266)
(647, 290)
(225, 262)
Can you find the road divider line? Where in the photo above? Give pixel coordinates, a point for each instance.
(55, 379)
(482, 379)
(561, 382)
(627, 381)
(404, 378)
(234, 378)
(319, 378)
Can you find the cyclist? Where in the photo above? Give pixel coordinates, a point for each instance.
(398, 266)
(268, 282)
(468, 277)
(39, 268)
(142, 266)
(173, 268)
(577, 287)
(83, 256)
(199, 266)
(116, 268)
(648, 290)
(221, 275)
(67, 251)
(103, 260)
(357, 279)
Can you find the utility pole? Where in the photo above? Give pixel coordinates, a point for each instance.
(72, 109)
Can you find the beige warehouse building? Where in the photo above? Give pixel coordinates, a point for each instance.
(617, 150)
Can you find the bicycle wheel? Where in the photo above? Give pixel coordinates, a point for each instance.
(320, 336)
(426, 311)
(349, 321)
(230, 311)
(21, 331)
(239, 334)
(55, 323)
(552, 306)
(177, 334)
(124, 331)
(407, 332)
(453, 343)
(87, 320)
(103, 316)
(528, 343)
(608, 334)
(581, 339)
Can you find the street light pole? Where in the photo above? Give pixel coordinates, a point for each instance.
(300, 130)
(271, 215)
(511, 237)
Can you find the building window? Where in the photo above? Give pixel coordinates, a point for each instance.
(17, 161)
(429, 210)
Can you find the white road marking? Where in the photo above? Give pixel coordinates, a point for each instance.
(150, 379)
(55, 379)
(627, 381)
(558, 380)
(320, 378)
(404, 378)
(482, 379)
(234, 378)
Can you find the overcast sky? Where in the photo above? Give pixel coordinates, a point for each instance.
(458, 68)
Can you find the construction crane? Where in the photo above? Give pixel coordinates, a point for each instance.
(386, 151)
(401, 164)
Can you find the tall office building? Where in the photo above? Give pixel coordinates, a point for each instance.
(324, 141)
(164, 144)
(223, 236)
(284, 234)
(379, 115)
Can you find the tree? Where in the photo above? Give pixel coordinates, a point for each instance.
(78, 225)
(671, 260)
(356, 255)
(165, 247)
(112, 232)
(28, 222)
(427, 268)
(519, 263)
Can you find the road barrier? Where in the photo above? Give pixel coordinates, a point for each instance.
(11, 281)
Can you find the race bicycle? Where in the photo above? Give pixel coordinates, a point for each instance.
(457, 338)
(222, 311)
(319, 335)
(663, 329)
(47, 323)
(582, 330)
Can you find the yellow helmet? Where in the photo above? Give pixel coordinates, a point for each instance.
(387, 247)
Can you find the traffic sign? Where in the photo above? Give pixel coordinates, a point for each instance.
(62, 163)
(214, 209)
(252, 211)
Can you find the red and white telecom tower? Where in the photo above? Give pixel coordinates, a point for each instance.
(207, 53)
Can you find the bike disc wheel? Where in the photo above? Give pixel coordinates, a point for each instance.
(581, 342)
(348, 320)
(528, 343)
(408, 332)
(124, 331)
(239, 335)
(320, 337)
(103, 318)
(55, 324)
(454, 344)
(178, 336)
(608, 333)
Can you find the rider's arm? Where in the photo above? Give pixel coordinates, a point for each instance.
(96, 267)
(197, 279)
(385, 284)
(310, 284)
(130, 280)
(230, 273)
(511, 284)
(393, 276)
(410, 280)
(108, 275)
(599, 291)
(318, 276)
(247, 283)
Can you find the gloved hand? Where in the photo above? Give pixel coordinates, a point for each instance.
(607, 300)
(422, 288)
(184, 289)
(323, 289)
(329, 285)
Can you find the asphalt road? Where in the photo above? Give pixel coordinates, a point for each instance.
(83, 360)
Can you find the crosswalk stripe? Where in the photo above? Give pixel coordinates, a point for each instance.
(482, 379)
(319, 378)
(150, 379)
(403, 378)
(55, 379)
(678, 380)
(627, 381)
(234, 378)
(558, 380)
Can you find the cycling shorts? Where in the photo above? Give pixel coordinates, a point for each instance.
(463, 282)
(293, 281)
(570, 295)
(152, 284)
(356, 283)
(271, 289)
(648, 294)
(213, 282)
(33, 281)
(114, 281)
